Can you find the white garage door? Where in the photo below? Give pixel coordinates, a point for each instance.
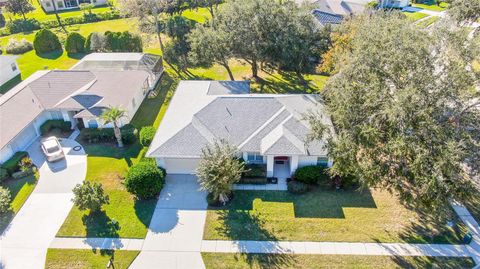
(181, 166)
(25, 138)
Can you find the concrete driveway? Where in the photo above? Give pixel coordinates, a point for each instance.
(175, 234)
(25, 242)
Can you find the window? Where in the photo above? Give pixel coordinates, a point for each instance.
(47, 4)
(92, 123)
(322, 161)
(56, 115)
(14, 67)
(60, 4)
(253, 157)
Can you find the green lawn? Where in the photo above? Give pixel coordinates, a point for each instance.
(429, 21)
(257, 261)
(86, 259)
(432, 7)
(325, 215)
(124, 216)
(415, 16)
(40, 15)
(20, 190)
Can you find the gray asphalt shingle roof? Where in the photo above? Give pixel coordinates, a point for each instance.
(268, 124)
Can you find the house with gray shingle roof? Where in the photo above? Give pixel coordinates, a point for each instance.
(267, 128)
(78, 96)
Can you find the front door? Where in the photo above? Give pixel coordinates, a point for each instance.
(281, 167)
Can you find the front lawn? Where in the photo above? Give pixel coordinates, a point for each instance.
(257, 261)
(433, 7)
(326, 215)
(20, 190)
(415, 16)
(86, 259)
(124, 216)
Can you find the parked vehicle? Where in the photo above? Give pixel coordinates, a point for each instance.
(52, 149)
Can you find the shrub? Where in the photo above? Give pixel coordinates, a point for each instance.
(144, 180)
(93, 135)
(3, 174)
(13, 164)
(255, 171)
(49, 125)
(88, 42)
(20, 25)
(5, 199)
(2, 20)
(146, 135)
(26, 164)
(311, 174)
(123, 42)
(253, 180)
(22, 174)
(18, 47)
(75, 43)
(297, 187)
(46, 41)
(90, 196)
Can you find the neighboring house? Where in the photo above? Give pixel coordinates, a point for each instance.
(393, 3)
(78, 96)
(267, 128)
(8, 68)
(123, 61)
(47, 5)
(328, 12)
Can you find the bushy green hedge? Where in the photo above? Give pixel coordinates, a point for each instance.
(3, 174)
(123, 42)
(21, 25)
(46, 41)
(311, 174)
(75, 43)
(255, 171)
(146, 135)
(5, 199)
(297, 187)
(49, 125)
(13, 164)
(253, 180)
(94, 135)
(18, 47)
(144, 180)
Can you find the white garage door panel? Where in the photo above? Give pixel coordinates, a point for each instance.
(25, 138)
(181, 166)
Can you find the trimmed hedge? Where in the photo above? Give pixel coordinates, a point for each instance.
(3, 174)
(253, 180)
(46, 41)
(12, 165)
(49, 125)
(297, 187)
(93, 135)
(146, 135)
(144, 180)
(123, 42)
(255, 171)
(312, 174)
(75, 43)
(18, 47)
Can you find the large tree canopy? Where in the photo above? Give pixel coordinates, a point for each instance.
(406, 110)
(464, 10)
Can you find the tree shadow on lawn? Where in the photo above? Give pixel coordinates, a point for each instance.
(432, 228)
(111, 150)
(51, 55)
(284, 82)
(432, 262)
(319, 203)
(144, 210)
(233, 220)
(100, 225)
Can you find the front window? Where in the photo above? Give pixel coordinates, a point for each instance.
(322, 161)
(253, 157)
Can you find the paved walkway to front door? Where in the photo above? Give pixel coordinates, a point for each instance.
(25, 241)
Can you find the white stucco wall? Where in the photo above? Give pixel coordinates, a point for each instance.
(6, 71)
(60, 4)
(179, 165)
(394, 3)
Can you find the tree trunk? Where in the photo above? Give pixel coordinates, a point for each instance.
(118, 135)
(229, 71)
(58, 17)
(254, 69)
(210, 9)
(23, 14)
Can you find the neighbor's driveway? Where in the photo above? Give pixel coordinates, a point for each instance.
(175, 234)
(25, 242)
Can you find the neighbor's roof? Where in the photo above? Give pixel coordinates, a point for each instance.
(86, 91)
(265, 123)
(120, 61)
(7, 59)
(333, 11)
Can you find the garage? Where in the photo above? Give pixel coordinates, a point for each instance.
(180, 166)
(24, 138)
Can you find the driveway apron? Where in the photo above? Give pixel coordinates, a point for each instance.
(25, 241)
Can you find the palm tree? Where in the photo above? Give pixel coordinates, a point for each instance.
(113, 115)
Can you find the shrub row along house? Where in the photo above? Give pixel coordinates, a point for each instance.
(267, 128)
(78, 96)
